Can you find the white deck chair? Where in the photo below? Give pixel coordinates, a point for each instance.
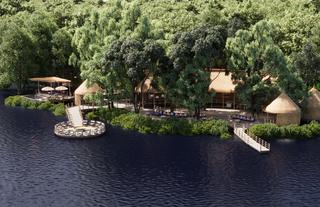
(75, 116)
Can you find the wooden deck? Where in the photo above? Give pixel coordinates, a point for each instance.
(256, 143)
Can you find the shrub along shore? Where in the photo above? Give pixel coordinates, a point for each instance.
(171, 126)
(174, 126)
(272, 131)
(56, 109)
(132, 121)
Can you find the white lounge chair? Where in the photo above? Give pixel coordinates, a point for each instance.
(75, 117)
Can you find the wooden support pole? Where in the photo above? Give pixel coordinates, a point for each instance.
(223, 100)
(142, 97)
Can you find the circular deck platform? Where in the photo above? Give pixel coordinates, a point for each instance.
(90, 129)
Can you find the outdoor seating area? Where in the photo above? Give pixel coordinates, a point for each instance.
(243, 118)
(54, 89)
(167, 113)
(76, 127)
(90, 129)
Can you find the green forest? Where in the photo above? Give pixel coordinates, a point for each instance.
(268, 45)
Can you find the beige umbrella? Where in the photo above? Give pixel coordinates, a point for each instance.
(61, 88)
(47, 89)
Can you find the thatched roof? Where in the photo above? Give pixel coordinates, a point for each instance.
(83, 89)
(283, 104)
(314, 99)
(51, 79)
(146, 87)
(312, 111)
(221, 82)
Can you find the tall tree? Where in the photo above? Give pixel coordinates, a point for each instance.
(41, 27)
(193, 52)
(254, 60)
(133, 61)
(307, 63)
(16, 56)
(61, 51)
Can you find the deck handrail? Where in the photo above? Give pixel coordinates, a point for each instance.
(259, 140)
(246, 135)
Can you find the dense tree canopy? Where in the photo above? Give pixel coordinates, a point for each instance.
(255, 59)
(272, 45)
(192, 52)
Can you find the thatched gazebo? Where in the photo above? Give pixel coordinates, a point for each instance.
(285, 110)
(83, 89)
(148, 94)
(224, 87)
(312, 111)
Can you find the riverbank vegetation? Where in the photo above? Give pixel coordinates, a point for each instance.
(56, 109)
(272, 131)
(268, 46)
(170, 126)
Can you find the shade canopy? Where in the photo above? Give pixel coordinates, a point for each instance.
(47, 89)
(146, 86)
(283, 104)
(61, 88)
(52, 79)
(221, 82)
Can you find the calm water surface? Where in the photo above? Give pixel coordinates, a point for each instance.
(123, 168)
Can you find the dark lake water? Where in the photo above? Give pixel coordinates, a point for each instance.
(124, 168)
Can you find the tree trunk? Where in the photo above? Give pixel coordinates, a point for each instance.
(135, 101)
(197, 112)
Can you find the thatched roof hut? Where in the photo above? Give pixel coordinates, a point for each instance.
(146, 86)
(221, 82)
(83, 89)
(312, 111)
(286, 111)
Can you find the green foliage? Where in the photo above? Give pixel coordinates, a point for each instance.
(92, 116)
(253, 56)
(272, 131)
(106, 115)
(172, 126)
(11, 7)
(66, 37)
(45, 105)
(132, 61)
(307, 63)
(56, 109)
(191, 53)
(14, 100)
(16, 55)
(211, 127)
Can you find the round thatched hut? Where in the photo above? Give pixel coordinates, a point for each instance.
(312, 111)
(82, 90)
(285, 110)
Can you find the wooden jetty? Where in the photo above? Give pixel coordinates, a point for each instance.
(255, 142)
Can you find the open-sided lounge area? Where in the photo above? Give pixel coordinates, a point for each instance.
(54, 89)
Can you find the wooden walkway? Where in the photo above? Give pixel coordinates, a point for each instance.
(256, 143)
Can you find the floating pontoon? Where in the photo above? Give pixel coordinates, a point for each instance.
(76, 127)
